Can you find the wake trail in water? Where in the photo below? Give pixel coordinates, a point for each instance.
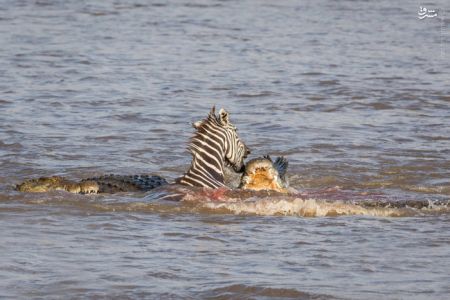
(318, 203)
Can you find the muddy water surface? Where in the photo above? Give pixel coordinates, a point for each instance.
(356, 94)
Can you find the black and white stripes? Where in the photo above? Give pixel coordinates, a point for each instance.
(214, 145)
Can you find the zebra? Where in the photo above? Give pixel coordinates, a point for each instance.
(214, 146)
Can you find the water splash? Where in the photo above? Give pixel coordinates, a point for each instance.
(307, 208)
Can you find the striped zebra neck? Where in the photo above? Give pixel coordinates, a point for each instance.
(201, 177)
(207, 149)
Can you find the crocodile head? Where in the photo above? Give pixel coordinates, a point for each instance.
(40, 185)
(265, 174)
(57, 183)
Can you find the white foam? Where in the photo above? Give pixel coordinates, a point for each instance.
(305, 207)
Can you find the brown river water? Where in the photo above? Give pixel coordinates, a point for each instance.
(356, 94)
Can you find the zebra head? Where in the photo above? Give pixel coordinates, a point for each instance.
(234, 151)
(214, 145)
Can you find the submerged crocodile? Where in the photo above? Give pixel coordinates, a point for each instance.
(102, 184)
(259, 174)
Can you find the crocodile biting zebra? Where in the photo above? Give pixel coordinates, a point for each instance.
(214, 147)
(259, 174)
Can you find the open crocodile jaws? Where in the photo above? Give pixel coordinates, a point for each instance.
(264, 174)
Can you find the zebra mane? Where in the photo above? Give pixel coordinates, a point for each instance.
(213, 118)
(199, 126)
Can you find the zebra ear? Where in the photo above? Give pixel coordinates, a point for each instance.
(223, 117)
(197, 124)
(212, 112)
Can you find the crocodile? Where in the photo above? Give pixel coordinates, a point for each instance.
(214, 146)
(259, 174)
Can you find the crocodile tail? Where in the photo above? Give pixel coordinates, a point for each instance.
(126, 183)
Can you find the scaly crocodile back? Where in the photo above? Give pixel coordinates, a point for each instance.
(126, 183)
